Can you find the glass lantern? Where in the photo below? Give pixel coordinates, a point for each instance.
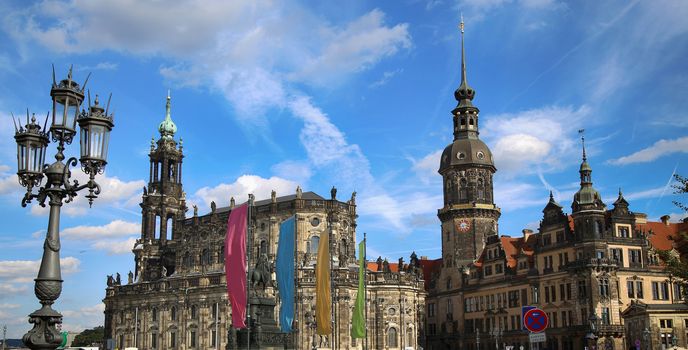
(67, 98)
(95, 128)
(31, 148)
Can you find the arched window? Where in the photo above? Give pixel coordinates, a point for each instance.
(205, 257)
(168, 228)
(604, 287)
(186, 260)
(154, 314)
(409, 338)
(315, 241)
(221, 255)
(173, 313)
(481, 189)
(392, 337)
(194, 312)
(463, 189)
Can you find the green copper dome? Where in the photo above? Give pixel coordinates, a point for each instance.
(167, 128)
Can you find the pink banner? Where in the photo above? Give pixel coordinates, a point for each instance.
(235, 264)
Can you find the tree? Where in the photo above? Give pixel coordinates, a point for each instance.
(677, 264)
(89, 337)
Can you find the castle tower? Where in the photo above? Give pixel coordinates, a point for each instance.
(163, 202)
(588, 210)
(469, 214)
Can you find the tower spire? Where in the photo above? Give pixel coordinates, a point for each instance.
(582, 133)
(464, 94)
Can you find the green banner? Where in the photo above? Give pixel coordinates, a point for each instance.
(358, 322)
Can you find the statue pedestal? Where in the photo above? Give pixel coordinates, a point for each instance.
(264, 331)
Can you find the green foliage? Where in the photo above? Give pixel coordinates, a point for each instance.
(677, 264)
(89, 337)
(681, 186)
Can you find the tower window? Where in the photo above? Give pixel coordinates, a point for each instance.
(168, 228)
(471, 122)
(463, 121)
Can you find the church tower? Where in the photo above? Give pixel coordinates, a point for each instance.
(469, 215)
(163, 203)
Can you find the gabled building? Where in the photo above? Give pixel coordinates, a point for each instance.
(589, 270)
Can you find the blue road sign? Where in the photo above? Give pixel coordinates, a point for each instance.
(536, 320)
(525, 309)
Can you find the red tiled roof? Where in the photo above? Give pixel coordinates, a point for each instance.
(429, 267)
(372, 266)
(663, 235)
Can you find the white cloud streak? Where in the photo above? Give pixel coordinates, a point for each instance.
(23, 271)
(659, 149)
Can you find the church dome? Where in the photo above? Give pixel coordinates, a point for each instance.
(466, 152)
(167, 128)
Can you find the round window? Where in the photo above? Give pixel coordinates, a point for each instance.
(461, 155)
(315, 222)
(481, 155)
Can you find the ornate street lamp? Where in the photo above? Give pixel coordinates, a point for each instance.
(32, 142)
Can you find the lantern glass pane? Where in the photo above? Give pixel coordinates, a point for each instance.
(97, 138)
(60, 112)
(36, 155)
(72, 109)
(21, 157)
(84, 141)
(106, 143)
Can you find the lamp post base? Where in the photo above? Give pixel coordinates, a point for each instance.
(44, 335)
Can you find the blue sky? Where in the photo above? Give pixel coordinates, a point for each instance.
(271, 95)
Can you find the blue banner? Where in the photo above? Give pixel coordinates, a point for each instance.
(285, 273)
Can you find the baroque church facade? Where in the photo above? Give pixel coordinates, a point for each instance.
(176, 295)
(594, 271)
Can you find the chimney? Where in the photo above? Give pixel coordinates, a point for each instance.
(527, 233)
(665, 219)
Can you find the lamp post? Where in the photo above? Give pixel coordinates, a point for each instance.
(497, 334)
(646, 338)
(477, 338)
(32, 142)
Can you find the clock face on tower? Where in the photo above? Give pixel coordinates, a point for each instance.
(463, 225)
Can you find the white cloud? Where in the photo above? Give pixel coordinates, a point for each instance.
(537, 140)
(232, 47)
(22, 271)
(297, 171)
(386, 77)
(516, 195)
(83, 318)
(114, 192)
(98, 66)
(8, 290)
(363, 42)
(115, 228)
(112, 247)
(426, 167)
(240, 189)
(658, 149)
